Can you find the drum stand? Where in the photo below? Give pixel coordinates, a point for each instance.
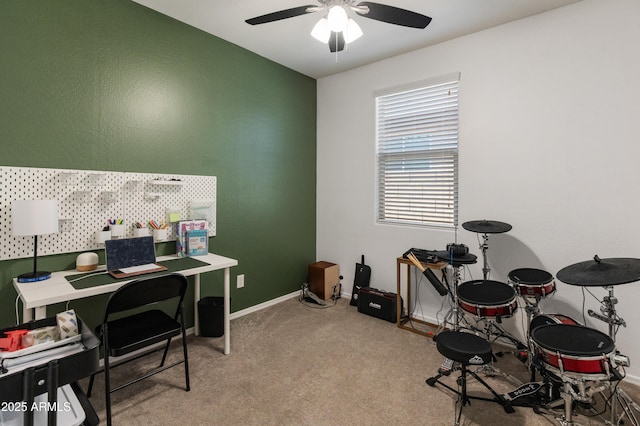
(531, 309)
(584, 394)
(617, 395)
(581, 390)
(609, 314)
(608, 273)
(454, 313)
(486, 227)
(628, 406)
(570, 388)
(492, 332)
(484, 247)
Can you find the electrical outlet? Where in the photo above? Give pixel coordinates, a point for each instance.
(240, 281)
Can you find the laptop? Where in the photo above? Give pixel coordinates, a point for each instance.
(128, 257)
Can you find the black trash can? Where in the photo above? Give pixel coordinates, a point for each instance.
(211, 316)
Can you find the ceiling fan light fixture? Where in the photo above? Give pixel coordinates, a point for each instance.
(352, 32)
(321, 31)
(337, 18)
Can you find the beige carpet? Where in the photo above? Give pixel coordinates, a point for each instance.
(295, 365)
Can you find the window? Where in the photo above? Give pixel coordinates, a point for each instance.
(417, 154)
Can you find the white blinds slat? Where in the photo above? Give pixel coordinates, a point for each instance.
(417, 141)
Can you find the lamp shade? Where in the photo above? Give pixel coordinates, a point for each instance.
(321, 31)
(337, 18)
(352, 32)
(34, 217)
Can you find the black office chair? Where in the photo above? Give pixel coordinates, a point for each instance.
(144, 326)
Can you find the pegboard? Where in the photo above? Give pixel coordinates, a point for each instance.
(87, 199)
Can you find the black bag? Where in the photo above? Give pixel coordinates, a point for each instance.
(361, 279)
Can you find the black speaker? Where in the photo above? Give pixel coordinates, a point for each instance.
(378, 303)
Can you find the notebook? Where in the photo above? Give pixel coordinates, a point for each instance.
(127, 257)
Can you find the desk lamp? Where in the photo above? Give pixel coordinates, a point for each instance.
(34, 217)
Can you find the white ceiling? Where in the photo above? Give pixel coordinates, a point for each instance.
(289, 42)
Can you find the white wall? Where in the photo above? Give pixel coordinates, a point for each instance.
(549, 112)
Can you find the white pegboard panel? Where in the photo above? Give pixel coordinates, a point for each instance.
(87, 199)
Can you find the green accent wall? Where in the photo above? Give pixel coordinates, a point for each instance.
(112, 85)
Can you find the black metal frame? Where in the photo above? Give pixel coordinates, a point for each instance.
(25, 384)
(142, 329)
(463, 397)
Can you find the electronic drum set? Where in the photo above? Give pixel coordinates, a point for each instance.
(575, 363)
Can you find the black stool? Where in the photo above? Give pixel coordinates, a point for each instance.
(466, 349)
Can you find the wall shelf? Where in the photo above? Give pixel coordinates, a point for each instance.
(167, 182)
(135, 185)
(96, 179)
(65, 224)
(69, 178)
(82, 196)
(110, 196)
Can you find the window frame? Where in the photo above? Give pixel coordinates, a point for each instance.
(402, 145)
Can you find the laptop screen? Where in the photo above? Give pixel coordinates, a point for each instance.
(127, 252)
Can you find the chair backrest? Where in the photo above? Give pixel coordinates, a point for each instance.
(145, 291)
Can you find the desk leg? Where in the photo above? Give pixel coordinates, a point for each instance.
(409, 307)
(227, 312)
(28, 314)
(196, 297)
(398, 296)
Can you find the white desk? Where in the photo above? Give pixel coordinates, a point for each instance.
(36, 296)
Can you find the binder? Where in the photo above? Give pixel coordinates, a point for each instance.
(182, 228)
(197, 242)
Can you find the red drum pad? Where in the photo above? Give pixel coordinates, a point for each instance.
(579, 349)
(487, 298)
(530, 282)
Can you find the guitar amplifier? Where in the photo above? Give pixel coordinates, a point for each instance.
(378, 303)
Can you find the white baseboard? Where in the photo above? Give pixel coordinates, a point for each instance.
(255, 308)
(264, 305)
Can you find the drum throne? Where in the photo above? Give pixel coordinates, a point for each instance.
(467, 350)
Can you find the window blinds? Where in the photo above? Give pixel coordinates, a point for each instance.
(417, 152)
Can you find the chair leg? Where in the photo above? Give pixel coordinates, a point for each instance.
(90, 385)
(431, 381)
(166, 351)
(107, 387)
(186, 359)
(462, 396)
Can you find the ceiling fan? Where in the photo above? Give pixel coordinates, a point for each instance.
(336, 28)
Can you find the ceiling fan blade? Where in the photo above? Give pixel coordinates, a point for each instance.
(282, 14)
(336, 42)
(393, 15)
